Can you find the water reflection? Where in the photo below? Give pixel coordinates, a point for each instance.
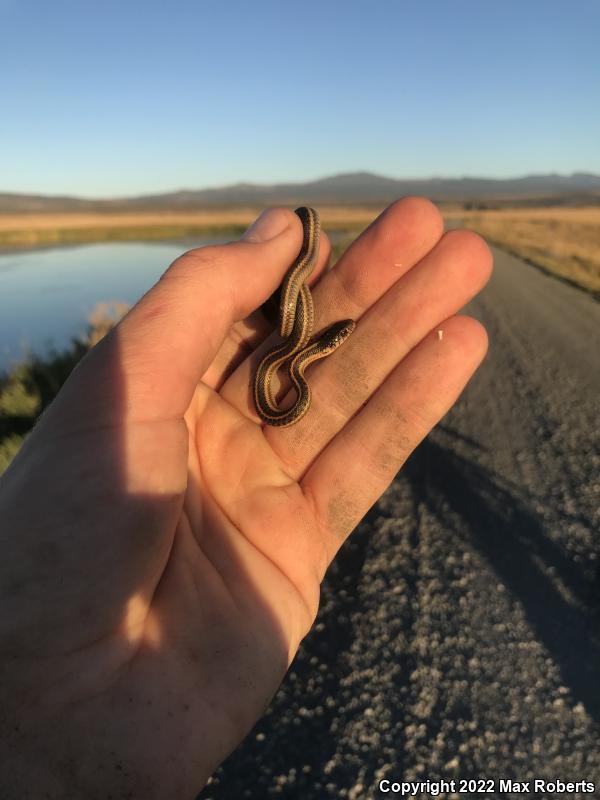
(46, 295)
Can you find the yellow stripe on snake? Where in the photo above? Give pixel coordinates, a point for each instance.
(296, 320)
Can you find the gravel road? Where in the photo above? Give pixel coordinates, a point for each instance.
(459, 629)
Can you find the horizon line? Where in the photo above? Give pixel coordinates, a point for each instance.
(300, 182)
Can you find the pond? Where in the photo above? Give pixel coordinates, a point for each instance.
(47, 295)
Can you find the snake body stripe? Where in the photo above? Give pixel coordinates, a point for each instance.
(296, 316)
(295, 277)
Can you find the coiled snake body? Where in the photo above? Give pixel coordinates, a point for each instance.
(296, 319)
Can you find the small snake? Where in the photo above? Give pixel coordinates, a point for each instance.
(296, 319)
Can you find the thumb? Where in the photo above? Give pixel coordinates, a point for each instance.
(163, 346)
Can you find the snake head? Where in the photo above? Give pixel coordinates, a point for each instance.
(336, 335)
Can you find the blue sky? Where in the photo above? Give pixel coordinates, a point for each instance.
(117, 98)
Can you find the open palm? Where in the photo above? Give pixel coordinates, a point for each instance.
(163, 550)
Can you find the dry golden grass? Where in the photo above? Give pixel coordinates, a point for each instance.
(562, 241)
(332, 215)
(38, 229)
(29, 230)
(51, 221)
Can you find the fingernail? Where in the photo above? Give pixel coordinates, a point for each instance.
(270, 224)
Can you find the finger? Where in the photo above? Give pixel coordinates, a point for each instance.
(167, 341)
(245, 336)
(359, 464)
(385, 251)
(439, 286)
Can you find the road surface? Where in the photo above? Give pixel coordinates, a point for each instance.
(459, 629)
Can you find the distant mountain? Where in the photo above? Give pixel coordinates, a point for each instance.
(351, 188)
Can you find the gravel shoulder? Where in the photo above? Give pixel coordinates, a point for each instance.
(459, 629)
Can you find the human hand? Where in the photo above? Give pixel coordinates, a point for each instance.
(162, 551)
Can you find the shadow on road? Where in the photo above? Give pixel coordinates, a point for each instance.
(326, 725)
(560, 598)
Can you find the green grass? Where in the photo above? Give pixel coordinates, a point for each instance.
(30, 386)
(26, 391)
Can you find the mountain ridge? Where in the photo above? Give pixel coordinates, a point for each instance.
(353, 188)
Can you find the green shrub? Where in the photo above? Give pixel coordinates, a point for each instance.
(33, 384)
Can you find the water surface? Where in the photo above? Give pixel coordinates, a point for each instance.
(46, 295)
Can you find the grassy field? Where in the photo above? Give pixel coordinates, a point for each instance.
(563, 241)
(31, 230)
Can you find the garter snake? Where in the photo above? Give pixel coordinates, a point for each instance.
(296, 319)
